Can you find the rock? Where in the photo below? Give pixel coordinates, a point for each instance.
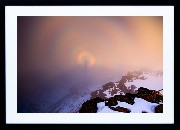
(111, 102)
(99, 93)
(142, 78)
(90, 106)
(114, 91)
(122, 87)
(128, 98)
(108, 85)
(123, 93)
(95, 94)
(150, 95)
(153, 96)
(120, 109)
(159, 108)
(144, 112)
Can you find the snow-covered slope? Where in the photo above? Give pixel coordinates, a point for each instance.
(150, 80)
(139, 106)
(132, 83)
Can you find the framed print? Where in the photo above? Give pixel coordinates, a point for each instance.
(89, 64)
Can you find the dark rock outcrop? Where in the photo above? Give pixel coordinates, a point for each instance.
(128, 98)
(108, 85)
(120, 88)
(120, 109)
(111, 102)
(153, 96)
(144, 112)
(150, 95)
(118, 91)
(99, 93)
(90, 106)
(159, 108)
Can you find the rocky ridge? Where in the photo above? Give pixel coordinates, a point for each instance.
(152, 96)
(112, 92)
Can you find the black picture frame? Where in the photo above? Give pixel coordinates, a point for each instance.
(75, 3)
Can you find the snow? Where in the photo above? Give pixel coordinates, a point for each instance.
(108, 95)
(106, 109)
(70, 104)
(152, 81)
(139, 106)
(108, 92)
(116, 84)
(100, 106)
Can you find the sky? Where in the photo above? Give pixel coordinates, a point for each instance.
(53, 44)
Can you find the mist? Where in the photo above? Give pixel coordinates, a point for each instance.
(71, 53)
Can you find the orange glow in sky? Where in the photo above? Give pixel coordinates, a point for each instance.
(56, 43)
(86, 58)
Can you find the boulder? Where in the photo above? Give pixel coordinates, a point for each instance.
(159, 108)
(90, 106)
(120, 109)
(111, 102)
(150, 95)
(128, 98)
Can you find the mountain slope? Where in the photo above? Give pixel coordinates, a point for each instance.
(145, 101)
(138, 91)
